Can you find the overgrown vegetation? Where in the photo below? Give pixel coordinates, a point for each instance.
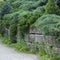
(52, 8)
(50, 24)
(48, 51)
(17, 16)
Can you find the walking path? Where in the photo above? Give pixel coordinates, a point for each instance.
(7, 53)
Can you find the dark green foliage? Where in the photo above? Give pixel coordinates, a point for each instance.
(13, 32)
(39, 11)
(50, 24)
(19, 15)
(13, 28)
(5, 9)
(52, 8)
(43, 2)
(27, 4)
(2, 27)
(58, 2)
(24, 13)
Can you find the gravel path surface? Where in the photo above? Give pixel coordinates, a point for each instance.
(7, 53)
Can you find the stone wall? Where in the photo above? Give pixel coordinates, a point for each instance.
(38, 38)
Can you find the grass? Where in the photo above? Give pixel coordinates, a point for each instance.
(21, 47)
(45, 57)
(0, 35)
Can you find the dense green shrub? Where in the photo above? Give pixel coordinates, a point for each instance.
(6, 41)
(49, 24)
(48, 51)
(13, 32)
(27, 4)
(2, 27)
(52, 8)
(5, 9)
(39, 11)
(13, 28)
